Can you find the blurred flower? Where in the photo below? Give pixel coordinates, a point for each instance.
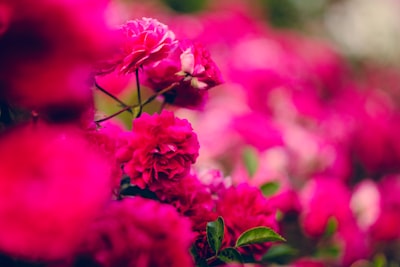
(160, 147)
(105, 141)
(386, 225)
(233, 205)
(52, 185)
(137, 232)
(324, 198)
(43, 66)
(190, 197)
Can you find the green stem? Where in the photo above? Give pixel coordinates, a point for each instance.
(147, 101)
(138, 94)
(116, 113)
(112, 96)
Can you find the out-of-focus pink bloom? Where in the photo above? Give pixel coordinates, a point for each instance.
(386, 225)
(52, 185)
(137, 232)
(160, 147)
(233, 205)
(322, 199)
(214, 180)
(377, 151)
(189, 70)
(365, 203)
(190, 197)
(145, 41)
(326, 198)
(105, 141)
(354, 244)
(43, 66)
(258, 130)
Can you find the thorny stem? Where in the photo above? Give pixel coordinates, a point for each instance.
(112, 96)
(138, 94)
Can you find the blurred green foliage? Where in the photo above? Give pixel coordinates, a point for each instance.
(186, 6)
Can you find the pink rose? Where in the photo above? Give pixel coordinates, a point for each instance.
(160, 147)
(138, 232)
(146, 41)
(189, 66)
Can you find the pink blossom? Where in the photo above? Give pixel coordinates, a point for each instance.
(190, 197)
(146, 41)
(258, 130)
(385, 227)
(137, 232)
(43, 66)
(324, 198)
(52, 186)
(189, 70)
(233, 205)
(160, 147)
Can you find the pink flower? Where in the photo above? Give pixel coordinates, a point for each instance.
(189, 70)
(161, 147)
(44, 66)
(191, 198)
(244, 207)
(324, 198)
(51, 186)
(137, 232)
(146, 41)
(385, 227)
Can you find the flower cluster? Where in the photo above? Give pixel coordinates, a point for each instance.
(115, 152)
(74, 189)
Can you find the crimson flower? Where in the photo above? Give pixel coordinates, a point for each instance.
(137, 232)
(160, 147)
(146, 41)
(191, 72)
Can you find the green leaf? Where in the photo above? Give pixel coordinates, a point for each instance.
(230, 255)
(257, 235)
(250, 159)
(215, 234)
(270, 188)
(280, 254)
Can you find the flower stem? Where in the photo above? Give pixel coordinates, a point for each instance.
(116, 113)
(138, 94)
(112, 96)
(140, 105)
(163, 91)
